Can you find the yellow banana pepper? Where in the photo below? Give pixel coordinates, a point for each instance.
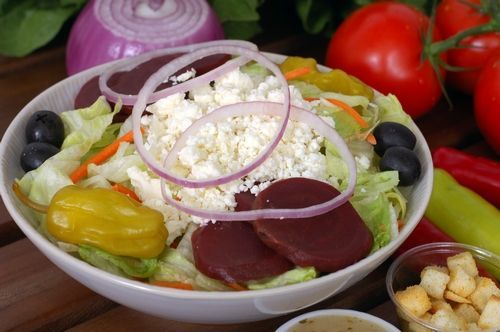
(335, 80)
(108, 220)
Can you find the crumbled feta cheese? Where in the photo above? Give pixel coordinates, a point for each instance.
(227, 146)
(182, 77)
(362, 162)
(149, 191)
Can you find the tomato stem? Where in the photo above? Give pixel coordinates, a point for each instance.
(491, 8)
(454, 41)
(432, 50)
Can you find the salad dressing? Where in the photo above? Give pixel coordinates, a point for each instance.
(336, 324)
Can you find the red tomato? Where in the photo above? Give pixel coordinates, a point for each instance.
(487, 101)
(381, 44)
(453, 16)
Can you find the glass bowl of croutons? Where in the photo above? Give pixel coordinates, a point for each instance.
(446, 286)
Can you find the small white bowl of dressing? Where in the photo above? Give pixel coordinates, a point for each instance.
(337, 320)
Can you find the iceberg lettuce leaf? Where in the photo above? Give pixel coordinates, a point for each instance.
(173, 266)
(83, 128)
(119, 265)
(391, 110)
(371, 201)
(295, 276)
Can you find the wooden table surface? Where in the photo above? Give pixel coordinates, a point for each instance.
(36, 295)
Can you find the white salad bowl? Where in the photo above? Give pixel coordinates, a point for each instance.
(191, 306)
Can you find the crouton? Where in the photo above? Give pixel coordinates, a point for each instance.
(467, 311)
(414, 299)
(485, 288)
(455, 297)
(416, 327)
(490, 317)
(465, 261)
(448, 321)
(472, 327)
(461, 283)
(440, 305)
(434, 280)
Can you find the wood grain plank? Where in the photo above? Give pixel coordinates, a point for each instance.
(20, 86)
(9, 232)
(35, 294)
(9, 65)
(387, 312)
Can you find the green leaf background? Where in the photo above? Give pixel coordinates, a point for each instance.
(26, 25)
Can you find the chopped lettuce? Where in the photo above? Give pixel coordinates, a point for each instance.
(255, 70)
(352, 101)
(345, 124)
(119, 265)
(391, 110)
(173, 266)
(307, 90)
(83, 128)
(336, 168)
(376, 198)
(115, 169)
(371, 184)
(375, 212)
(373, 205)
(295, 276)
(109, 135)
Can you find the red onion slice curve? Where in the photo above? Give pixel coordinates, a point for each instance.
(181, 62)
(130, 63)
(266, 108)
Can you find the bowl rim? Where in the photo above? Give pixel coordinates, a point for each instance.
(73, 263)
(429, 247)
(336, 313)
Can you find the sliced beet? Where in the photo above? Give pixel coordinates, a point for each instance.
(130, 82)
(231, 251)
(328, 242)
(244, 200)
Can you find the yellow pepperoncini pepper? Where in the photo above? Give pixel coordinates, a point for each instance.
(108, 220)
(335, 80)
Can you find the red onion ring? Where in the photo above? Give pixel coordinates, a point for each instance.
(113, 96)
(170, 68)
(265, 108)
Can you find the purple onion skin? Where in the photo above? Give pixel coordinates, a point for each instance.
(91, 44)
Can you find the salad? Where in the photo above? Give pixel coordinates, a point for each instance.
(213, 183)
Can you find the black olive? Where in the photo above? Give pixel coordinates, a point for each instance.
(403, 160)
(34, 154)
(390, 134)
(45, 127)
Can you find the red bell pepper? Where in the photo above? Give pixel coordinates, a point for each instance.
(479, 174)
(425, 232)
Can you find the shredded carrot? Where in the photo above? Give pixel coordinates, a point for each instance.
(371, 139)
(100, 157)
(310, 99)
(297, 72)
(172, 284)
(351, 111)
(400, 224)
(124, 190)
(236, 286)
